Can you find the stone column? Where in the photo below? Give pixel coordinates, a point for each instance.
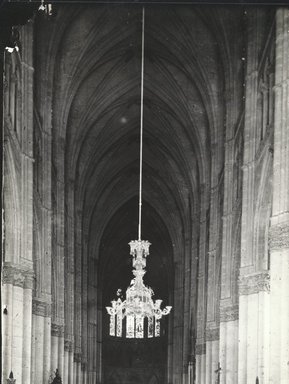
(43, 251)
(92, 346)
(44, 347)
(201, 310)
(38, 325)
(228, 347)
(213, 285)
(54, 348)
(77, 304)
(279, 231)
(187, 307)
(77, 368)
(254, 295)
(18, 253)
(254, 304)
(193, 298)
(69, 285)
(70, 371)
(67, 357)
(27, 327)
(17, 286)
(200, 362)
(99, 373)
(212, 353)
(58, 268)
(17, 320)
(178, 325)
(7, 297)
(60, 364)
(47, 344)
(84, 313)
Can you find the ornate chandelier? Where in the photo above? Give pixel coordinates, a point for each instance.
(138, 316)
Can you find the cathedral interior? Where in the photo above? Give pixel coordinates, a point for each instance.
(215, 190)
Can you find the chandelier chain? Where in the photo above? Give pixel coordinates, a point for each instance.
(142, 314)
(141, 125)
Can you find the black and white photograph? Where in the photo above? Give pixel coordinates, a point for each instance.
(145, 192)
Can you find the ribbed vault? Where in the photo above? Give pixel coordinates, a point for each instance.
(97, 83)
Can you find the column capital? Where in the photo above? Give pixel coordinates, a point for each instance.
(229, 313)
(41, 308)
(57, 330)
(279, 236)
(201, 349)
(83, 364)
(212, 334)
(77, 357)
(68, 345)
(254, 283)
(18, 275)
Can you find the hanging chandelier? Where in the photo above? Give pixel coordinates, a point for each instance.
(137, 316)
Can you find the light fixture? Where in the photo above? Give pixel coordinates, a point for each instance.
(46, 8)
(13, 43)
(138, 316)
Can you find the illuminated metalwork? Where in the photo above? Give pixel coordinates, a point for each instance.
(142, 313)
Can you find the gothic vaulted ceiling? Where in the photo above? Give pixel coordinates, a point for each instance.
(95, 62)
